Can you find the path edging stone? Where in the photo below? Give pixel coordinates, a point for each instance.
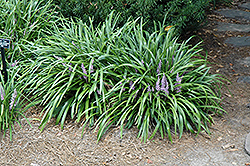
(247, 144)
(222, 27)
(236, 14)
(239, 41)
(245, 5)
(245, 79)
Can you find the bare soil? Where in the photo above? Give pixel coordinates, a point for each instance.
(224, 147)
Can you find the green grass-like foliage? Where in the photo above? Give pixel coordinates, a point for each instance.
(22, 21)
(13, 102)
(122, 76)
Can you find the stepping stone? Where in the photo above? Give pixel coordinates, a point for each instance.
(245, 61)
(233, 27)
(239, 41)
(245, 5)
(244, 79)
(247, 144)
(237, 14)
(248, 105)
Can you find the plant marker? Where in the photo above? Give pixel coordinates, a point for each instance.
(4, 43)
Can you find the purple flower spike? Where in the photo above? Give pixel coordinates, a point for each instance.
(91, 66)
(149, 89)
(157, 86)
(14, 64)
(84, 71)
(131, 85)
(2, 93)
(33, 24)
(159, 68)
(24, 32)
(12, 100)
(142, 62)
(70, 69)
(178, 79)
(59, 58)
(185, 72)
(172, 70)
(163, 82)
(178, 82)
(166, 88)
(74, 44)
(136, 70)
(121, 86)
(135, 95)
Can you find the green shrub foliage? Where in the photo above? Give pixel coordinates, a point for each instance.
(22, 21)
(123, 76)
(185, 15)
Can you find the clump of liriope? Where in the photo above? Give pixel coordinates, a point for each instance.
(12, 103)
(163, 86)
(22, 21)
(137, 78)
(64, 87)
(72, 73)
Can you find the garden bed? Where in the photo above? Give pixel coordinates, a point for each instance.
(66, 147)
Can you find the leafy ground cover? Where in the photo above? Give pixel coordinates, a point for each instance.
(185, 15)
(12, 101)
(149, 79)
(109, 74)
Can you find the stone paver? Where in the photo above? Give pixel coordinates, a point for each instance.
(247, 144)
(239, 41)
(233, 27)
(237, 14)
(245, 61)
(244, 79)
(248, 105)
(245, 5)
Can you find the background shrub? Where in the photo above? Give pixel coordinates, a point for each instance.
(185, 15)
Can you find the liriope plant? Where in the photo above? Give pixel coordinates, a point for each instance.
(163, 86)
(70, 74)
(13, 102)
(24, 20)
(122, 76)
